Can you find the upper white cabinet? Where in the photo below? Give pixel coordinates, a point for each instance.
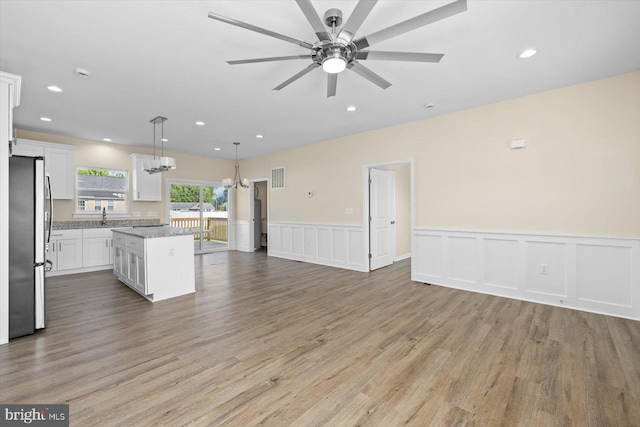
(145, 186)
(58, 161)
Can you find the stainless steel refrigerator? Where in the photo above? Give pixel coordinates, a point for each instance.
(29, 222)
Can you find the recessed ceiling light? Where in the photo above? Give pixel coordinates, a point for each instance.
(527, 53)
(54, 88)
(200, 123)
(217, 148)
(259, 136)
(430, 105)
(106, 139)
(351, 108)
(81, 72)
(165, 140)
(45, 119)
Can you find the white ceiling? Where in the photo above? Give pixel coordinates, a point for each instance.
(151, 58)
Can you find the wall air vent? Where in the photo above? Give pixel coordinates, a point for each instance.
(277, 178)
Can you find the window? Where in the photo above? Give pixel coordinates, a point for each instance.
(101, 188)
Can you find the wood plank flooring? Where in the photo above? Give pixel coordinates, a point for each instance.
(273, 342)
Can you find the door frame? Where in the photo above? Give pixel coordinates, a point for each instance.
(365, 205)
(231, 232)
(252, 191)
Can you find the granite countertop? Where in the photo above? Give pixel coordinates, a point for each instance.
(159, 231)
(110, 223)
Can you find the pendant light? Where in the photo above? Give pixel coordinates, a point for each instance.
(229, 183)
(162, 163)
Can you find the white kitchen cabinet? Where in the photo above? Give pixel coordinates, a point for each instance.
(65, 249)
(97, 247)
(58, 161)
(158, 268)
(59, 164)
(144, 186)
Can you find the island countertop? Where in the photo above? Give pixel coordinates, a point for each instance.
(154, 232)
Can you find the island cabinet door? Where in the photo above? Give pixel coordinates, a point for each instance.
(137, 271)
(119, 263)
(141, 282)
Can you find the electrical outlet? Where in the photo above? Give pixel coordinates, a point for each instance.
(348, 211)
(544, 269)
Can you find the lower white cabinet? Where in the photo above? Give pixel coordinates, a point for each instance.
(65, 250)
(97, 247)
(80, 250)
(157, 268)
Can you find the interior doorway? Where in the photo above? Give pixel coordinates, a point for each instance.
(259, 214)
(388, 212)
(202, 207)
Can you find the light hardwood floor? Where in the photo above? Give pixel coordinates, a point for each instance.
(266, 341)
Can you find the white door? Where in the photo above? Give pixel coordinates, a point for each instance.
(381, 213)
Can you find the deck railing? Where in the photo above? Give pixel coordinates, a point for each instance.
(213, 229)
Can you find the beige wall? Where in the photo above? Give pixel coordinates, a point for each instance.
(403, 206)
(579, 175)
(104, 155)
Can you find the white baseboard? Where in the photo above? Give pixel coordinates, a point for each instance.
(78, 270)
(600, 275)
(402, 257)
(332, 245)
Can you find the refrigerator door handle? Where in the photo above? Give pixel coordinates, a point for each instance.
(50, 208)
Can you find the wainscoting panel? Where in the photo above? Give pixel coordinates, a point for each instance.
(501, 263)
(332, 245)
(594, 274)
(242, 236)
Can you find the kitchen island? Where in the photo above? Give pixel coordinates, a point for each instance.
(156, 262)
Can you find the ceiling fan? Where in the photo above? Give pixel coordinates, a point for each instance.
(336, 52)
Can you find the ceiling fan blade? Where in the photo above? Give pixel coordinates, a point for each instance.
(332, 82)
(356, 19)
(259, 30)
(358, 68)
(273, 58)
(296, 76)
(399, 56)
(314, 19)
(430, 17)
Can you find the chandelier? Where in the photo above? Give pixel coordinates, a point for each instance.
(162, 163)
(228, 182)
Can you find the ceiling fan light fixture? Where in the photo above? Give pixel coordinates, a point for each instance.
(334, 64)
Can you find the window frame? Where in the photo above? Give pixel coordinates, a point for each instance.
(96, 213)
